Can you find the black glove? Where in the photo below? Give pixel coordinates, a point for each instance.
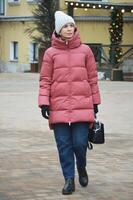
(45, 111)
(95, 108)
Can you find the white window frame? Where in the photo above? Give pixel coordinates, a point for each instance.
(2, 7)
(14, 51)
(14, 2)
(32, 1)
(33, 52)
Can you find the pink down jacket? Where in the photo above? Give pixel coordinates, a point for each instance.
(68, 81)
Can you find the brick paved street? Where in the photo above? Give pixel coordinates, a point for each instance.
(29, 167)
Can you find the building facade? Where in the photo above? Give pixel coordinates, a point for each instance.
(17, 50)
(18, 53)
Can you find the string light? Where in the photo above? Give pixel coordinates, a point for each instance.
(116, 35)
(122, 10)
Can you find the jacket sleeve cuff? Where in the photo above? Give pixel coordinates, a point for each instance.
(96, 99)
(43, 100)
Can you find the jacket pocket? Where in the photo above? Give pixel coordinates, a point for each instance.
(87, 88)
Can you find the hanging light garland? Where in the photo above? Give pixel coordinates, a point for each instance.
(116, 32)
(123, 8)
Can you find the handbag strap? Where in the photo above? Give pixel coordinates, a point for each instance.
(90, 145)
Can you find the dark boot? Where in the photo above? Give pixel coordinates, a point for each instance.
(69, 186)
(83, 177)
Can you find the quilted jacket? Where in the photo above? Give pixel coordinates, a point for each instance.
(68, 81)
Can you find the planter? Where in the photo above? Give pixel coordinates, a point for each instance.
(34, 67)
(117, 75)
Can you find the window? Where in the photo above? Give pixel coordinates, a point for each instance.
(2, 7)
(14, 51)
(32, 1)
(33, 52)
(14, 2)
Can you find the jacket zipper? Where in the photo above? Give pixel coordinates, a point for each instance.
(67, 43)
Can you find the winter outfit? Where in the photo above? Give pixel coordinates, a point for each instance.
(69, 96)
(68, 81)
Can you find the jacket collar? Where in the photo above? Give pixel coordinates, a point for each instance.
(61, 44)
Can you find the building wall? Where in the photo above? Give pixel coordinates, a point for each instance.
(22, 9)
(90, 31)
(15, 31)
(97, 32)
(87, 30)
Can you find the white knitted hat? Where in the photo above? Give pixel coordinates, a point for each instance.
(61, 19)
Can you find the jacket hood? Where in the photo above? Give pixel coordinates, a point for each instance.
(58, 43)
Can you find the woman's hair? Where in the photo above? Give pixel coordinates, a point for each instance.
(57, 35)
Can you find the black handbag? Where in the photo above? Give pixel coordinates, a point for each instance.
(96, 134)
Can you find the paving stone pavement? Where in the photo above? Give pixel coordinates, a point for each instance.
(29, 166)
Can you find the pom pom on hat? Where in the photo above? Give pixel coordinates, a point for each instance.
(61, 19)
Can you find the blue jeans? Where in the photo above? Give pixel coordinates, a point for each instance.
(71, 143)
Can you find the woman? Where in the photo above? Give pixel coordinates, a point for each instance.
(69, 96)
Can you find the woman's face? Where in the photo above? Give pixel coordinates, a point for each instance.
(67, 31)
